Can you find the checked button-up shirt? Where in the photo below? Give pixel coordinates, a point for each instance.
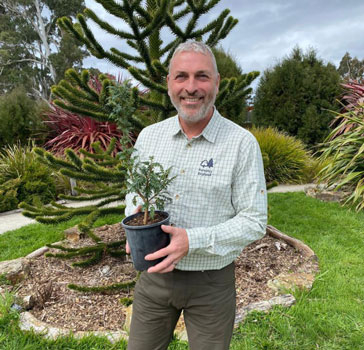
(219, 194)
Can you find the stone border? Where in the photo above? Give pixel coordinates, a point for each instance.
(303, 278)
(28, 322)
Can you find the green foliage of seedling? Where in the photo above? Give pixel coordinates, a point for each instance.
(149, 180)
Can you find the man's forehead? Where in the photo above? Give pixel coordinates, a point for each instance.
(187, 60)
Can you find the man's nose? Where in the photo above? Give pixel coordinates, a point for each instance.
(191, 86)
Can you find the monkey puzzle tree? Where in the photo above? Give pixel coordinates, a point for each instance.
(146, 52)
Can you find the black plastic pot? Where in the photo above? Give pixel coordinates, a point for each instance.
(144, 240)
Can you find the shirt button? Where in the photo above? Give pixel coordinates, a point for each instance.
(176, 197)
(189, 145)
(182, 171)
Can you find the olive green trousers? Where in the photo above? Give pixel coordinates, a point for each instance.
(207, 299)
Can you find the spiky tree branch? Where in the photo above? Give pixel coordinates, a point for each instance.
(108, 177)
(144, 46)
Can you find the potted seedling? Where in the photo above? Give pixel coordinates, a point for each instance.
(149, 181)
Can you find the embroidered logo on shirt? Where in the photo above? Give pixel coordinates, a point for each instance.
(205, 167)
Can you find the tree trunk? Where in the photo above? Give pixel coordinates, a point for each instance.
(40, 29)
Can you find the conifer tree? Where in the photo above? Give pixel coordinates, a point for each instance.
(144, 53)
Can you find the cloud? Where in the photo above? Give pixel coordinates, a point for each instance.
(268, 30)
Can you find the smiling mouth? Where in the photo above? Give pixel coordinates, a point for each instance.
(191, 99)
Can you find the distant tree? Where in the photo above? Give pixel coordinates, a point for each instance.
(351, 68)
(20, 118)
(33, 50)
(296, 95)
(229, 68)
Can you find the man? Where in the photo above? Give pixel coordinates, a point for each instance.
(218, 207)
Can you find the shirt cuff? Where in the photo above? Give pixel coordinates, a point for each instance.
(199, 241)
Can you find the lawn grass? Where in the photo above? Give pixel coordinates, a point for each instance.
(329, 317)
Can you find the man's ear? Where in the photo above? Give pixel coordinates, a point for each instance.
(217, 83)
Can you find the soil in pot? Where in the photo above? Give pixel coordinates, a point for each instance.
(145, 239)
(138, 219)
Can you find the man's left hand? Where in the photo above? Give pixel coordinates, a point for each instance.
(174, 252)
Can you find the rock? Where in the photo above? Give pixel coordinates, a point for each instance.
(73, 234)
(286, 300)
(280, 245)
(15, 270)
(105, 270)
(16, 307)
(37, 252)
(28, 322)
(29, 302)
(326, 194)
(291, 281)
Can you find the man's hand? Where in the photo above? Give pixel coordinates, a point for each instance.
(174, 252)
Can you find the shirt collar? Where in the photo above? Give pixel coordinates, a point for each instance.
(210, 131)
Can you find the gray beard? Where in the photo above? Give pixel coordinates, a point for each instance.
(200, 115)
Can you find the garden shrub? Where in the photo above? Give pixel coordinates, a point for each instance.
(344, 149)
(296, 95)
(9, 194)
(23, 178)
(20, 118)
(285, 158)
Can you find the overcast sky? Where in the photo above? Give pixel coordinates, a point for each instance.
(268, 30)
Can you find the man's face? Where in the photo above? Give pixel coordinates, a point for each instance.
(193, 85)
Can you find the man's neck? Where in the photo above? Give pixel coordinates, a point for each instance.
(192, 129)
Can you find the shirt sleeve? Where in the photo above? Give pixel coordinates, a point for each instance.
(249, 198)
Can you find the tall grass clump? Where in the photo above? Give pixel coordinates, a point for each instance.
(346, 154)
(344, 147)
(23, 178)
(285, 158)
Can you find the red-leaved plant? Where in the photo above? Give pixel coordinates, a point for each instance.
(70, 130)
(353, 102)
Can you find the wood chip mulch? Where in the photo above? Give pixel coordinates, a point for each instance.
(59, 306)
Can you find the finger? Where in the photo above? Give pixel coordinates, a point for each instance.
(138, 209)
(168, 229)
(127, 248)
(166, 265)
(161, 253)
